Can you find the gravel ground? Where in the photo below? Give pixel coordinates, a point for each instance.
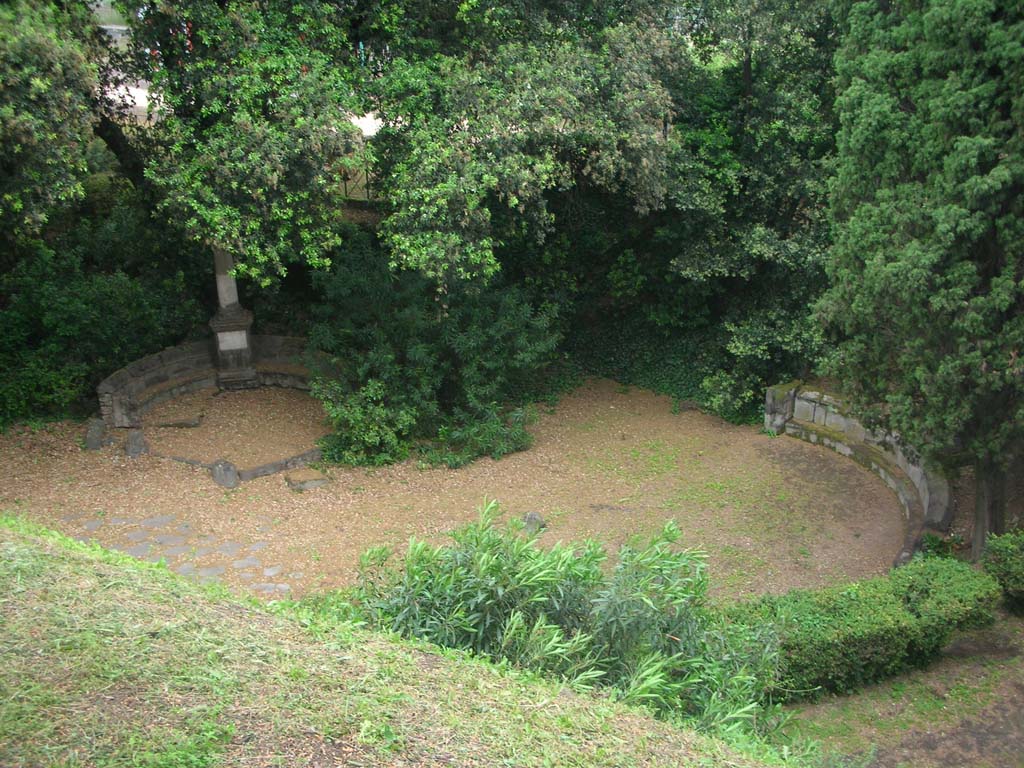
(608, 462)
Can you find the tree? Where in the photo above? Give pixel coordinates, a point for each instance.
(46, 116)
(927, 270)
(476, 143)
(252, 107)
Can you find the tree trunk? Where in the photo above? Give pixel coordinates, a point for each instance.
(132, 165)
(989, 503)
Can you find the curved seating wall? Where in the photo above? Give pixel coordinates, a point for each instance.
(821, 419)
(128, 393)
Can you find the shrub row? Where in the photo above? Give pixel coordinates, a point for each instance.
(839, 638)
(1004, 561)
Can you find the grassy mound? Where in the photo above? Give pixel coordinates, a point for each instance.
(105, 661)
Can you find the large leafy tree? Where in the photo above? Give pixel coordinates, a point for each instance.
(252, 102)
(478, 139)
(927, 271)
(46, 116)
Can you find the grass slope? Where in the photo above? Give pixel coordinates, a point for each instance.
(106, 661)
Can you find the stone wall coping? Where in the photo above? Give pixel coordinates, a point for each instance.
(127, 393)
(820, 417)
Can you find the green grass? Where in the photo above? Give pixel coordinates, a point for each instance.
(106, 661)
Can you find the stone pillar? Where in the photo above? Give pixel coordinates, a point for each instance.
(231, 330)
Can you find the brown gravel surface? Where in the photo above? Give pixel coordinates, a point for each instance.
(607, 462)
(248, 428)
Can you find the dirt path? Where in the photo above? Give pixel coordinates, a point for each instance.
(608, 462)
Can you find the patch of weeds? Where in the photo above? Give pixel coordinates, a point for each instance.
(199, 745)
(650, 460)
(380, 735)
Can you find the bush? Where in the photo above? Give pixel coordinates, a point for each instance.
(943, 595)
(63, 329)
(643, 628)
(368, 427)
(398, 364)
(842, 637)
(1004, 561)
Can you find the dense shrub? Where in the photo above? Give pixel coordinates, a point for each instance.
(1004, 560)
(643, 628)
(842, 637)
(63, 329)
(400, 366)
(943, 595)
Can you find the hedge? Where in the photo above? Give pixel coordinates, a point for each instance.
(839, 638)
(1004, 561)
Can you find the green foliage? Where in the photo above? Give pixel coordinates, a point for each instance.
(934, 545)
(398, 365)
(926, 294)
(257, 89)
(368, 428)
(45, 112)
(1004, 561)
(65, 328)
(943, 595)
(486, 433)
(840, 638)
(643, 629)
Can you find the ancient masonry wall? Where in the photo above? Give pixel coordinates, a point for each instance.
(127, 394)
(820, 418)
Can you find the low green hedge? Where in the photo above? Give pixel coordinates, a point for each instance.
(839, 638)
(1004, 561)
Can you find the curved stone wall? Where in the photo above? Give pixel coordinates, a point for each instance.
(127, 394)
(820, 418)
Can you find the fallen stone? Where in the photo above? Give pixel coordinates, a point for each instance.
(186, 569)
(177, 551)
(533, 523)
(95, 435)
(224, 473)
(93, 525)
(136, 444)
(209, 573)
(272, 571)
(305, 479)
(245, 562)
(257, 546)
(137, 535)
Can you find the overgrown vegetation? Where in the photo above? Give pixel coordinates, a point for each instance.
(643, 628)
(107, 661)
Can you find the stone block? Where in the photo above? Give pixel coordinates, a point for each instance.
(803, 410)
(820, 414)
(123, 411)
(95, 435)
(305, 479)
(835, 420)
(136, 444)
(533, 523)
(224, 473)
